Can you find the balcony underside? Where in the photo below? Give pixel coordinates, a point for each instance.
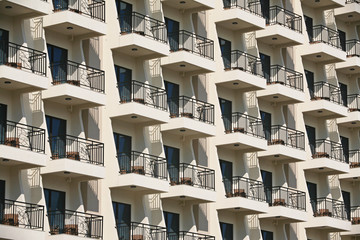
(352, 175)
(328, 224)
(189, 63)
(281, 94)
(145, 115)
(25, 8)
(325, 166)
(278, 35)
(79, 96)
(320, 52)
(189, 193)
(246, 21)
(193, 5)
(68, 237)
(355, 230)
(283, 154)
(82, 26)
(324, 109)
(350, 121)
(350, 66)
(241, 142)
(139, 46)
(21, 158)
(242, 205)
(285, 214)
(188, 127)
(349, 13)
(66, 167)
(324, 4)
(12, 232)
(22, 80)
(140, 183)
(240, 80)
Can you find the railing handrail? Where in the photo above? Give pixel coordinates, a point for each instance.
(295, 18)
(333, 143)
(294, 190)
(69, 62)
(146, 85)
(246, 116)
(32, 205)
(133, 13)
(323, 83)
(244, 5)
(24, 125)
(75, 138)
(28, 48)
(325, 28)
(206, 40)
(248, 180)
(193, 166)
(286, 69)
(195, 100)
(328, 200)
(288, 129)
(64, 211)
(93, 7)
(202, 236)
(160, 159)
(246, 54)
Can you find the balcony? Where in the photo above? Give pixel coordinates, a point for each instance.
(77, 19)
(283, 28)
(353, 118)
(75, 157)
(284, 86)
(141, 172)
(139, 231)
(191, 183)
(240, 15)
(287, 205)
(242, 132)
(76, 84)
(326, 102)
(285, 145)
(325, 4)
(190, 53)
(190, 117)
(352, 63)
(184, 235)
(141, 103)
(350, 12)
(329, 215)
(23, 69)
(327, 157)
(21, 219)
(25, 9)
(355, 222)
(243, 195)
(192, 5)
(324, 46)
(243, 73)
(354, 173)
(141, 36)
(75, 224)
(22, 146)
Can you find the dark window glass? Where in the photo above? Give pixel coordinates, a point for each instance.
(122, 213)
(342, 37)
(309, 27)
(173, 160)
(58, 58)
(312, 188)
(226, 112)
(4, 41)
(266, 121)
(311, 133)
(266, 65)
(172, 221)
(173, 28)
(226, 231)
(55, 204)
(124, 10)
(227, 175)
(57, 135)
(265, 9)
(345, 146)
(310, 82)
(124, 78)
(3, 118)
(61, 4)
(347, 203)
(172, 92)
(267, 181)
(266, 235)
(123, 150)
(225, 47)
(344, 93)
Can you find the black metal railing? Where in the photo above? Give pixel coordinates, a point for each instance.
(246, 62)
(144, 25)
(191, 42)
(326, 91)
(352, 1)
(242, 123)
(244, 187)
(76, 148)
(192, 175)
(75, 223)
(287, 136)
(354, 158)
(78, 75)
(353, 102)
(139, 231)
(327, 207)
(286, 18)
(250, 6)
(287, 197)
(328, 149)
(355, 215)
(22, 136)
(285, 76)
(143, 164)
(21, 214)
(20, 57)
(322, 34)
(134, 91)
(353, 48)
(191, 108)
(91, 8)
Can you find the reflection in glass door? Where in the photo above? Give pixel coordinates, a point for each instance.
(172, 221)
(227, 176)
(123, 151)
(173, 163)
(124, 78)
(55, 204)
(124, 10)
(58, 62)
(122, 213)
(57, 136)
(172, 92)
(3, 118)
(173, 28)
(226, 112)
